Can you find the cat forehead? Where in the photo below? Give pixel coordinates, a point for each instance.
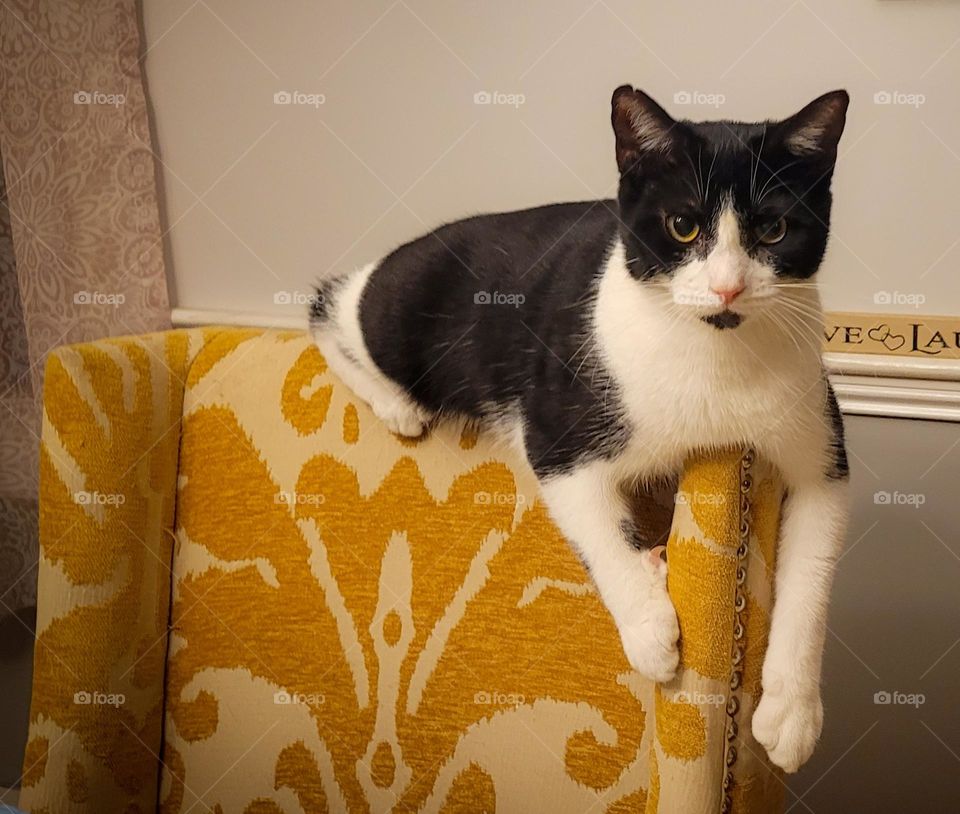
(719, 165)
(728, 137)
(730, 148)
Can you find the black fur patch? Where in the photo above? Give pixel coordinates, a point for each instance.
(633, 536)
(725, 319)
(349, 354)
(323, 298)
(491, 314)
(840, 468)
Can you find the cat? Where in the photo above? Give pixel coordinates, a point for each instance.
(611, 339)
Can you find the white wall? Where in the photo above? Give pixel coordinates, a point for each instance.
(291, 193)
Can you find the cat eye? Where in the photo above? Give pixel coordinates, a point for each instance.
(771, 231)
(682, 228)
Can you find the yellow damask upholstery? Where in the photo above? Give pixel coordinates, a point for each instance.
(254, 598)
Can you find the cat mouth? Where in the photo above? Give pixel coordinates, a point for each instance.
(724, 319)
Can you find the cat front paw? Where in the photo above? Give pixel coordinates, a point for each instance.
(401, 417)
(651, 639)
(787, 723)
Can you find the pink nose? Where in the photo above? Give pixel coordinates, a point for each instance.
(728, 295)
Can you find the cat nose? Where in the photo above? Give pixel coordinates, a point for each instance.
(728, 295)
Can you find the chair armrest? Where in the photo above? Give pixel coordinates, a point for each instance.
(108, 464)
(721, 555)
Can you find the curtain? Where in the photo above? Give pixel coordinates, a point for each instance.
(81, 244)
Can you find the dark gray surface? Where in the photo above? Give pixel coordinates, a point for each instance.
(895, 626)
(16, 670)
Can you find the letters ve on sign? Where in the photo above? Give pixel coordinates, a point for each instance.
(917, 336)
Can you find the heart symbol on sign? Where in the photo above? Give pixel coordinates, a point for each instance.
(886, 337)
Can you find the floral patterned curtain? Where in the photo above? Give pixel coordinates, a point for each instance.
(81, 244)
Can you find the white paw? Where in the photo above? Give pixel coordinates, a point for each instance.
(787, 723)
(651, 638)
(401, 417)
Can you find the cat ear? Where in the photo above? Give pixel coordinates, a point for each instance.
(815, 131)
(641, 126)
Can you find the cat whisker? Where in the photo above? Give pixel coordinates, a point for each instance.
(781, 326)
(799, 306)
(756, 167)
(710, 172)
(810, 320)
(799, 328)
(774, 177)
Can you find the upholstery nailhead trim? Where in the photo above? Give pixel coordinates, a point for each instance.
(740, 604)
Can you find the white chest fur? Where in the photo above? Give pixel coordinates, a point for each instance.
(685, 384)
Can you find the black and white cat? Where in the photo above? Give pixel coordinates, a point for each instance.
(610, 339)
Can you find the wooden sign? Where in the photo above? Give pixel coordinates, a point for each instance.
(917, 336)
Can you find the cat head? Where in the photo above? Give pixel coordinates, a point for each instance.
(726, 217)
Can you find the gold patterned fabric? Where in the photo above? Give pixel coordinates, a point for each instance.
(357, 622)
